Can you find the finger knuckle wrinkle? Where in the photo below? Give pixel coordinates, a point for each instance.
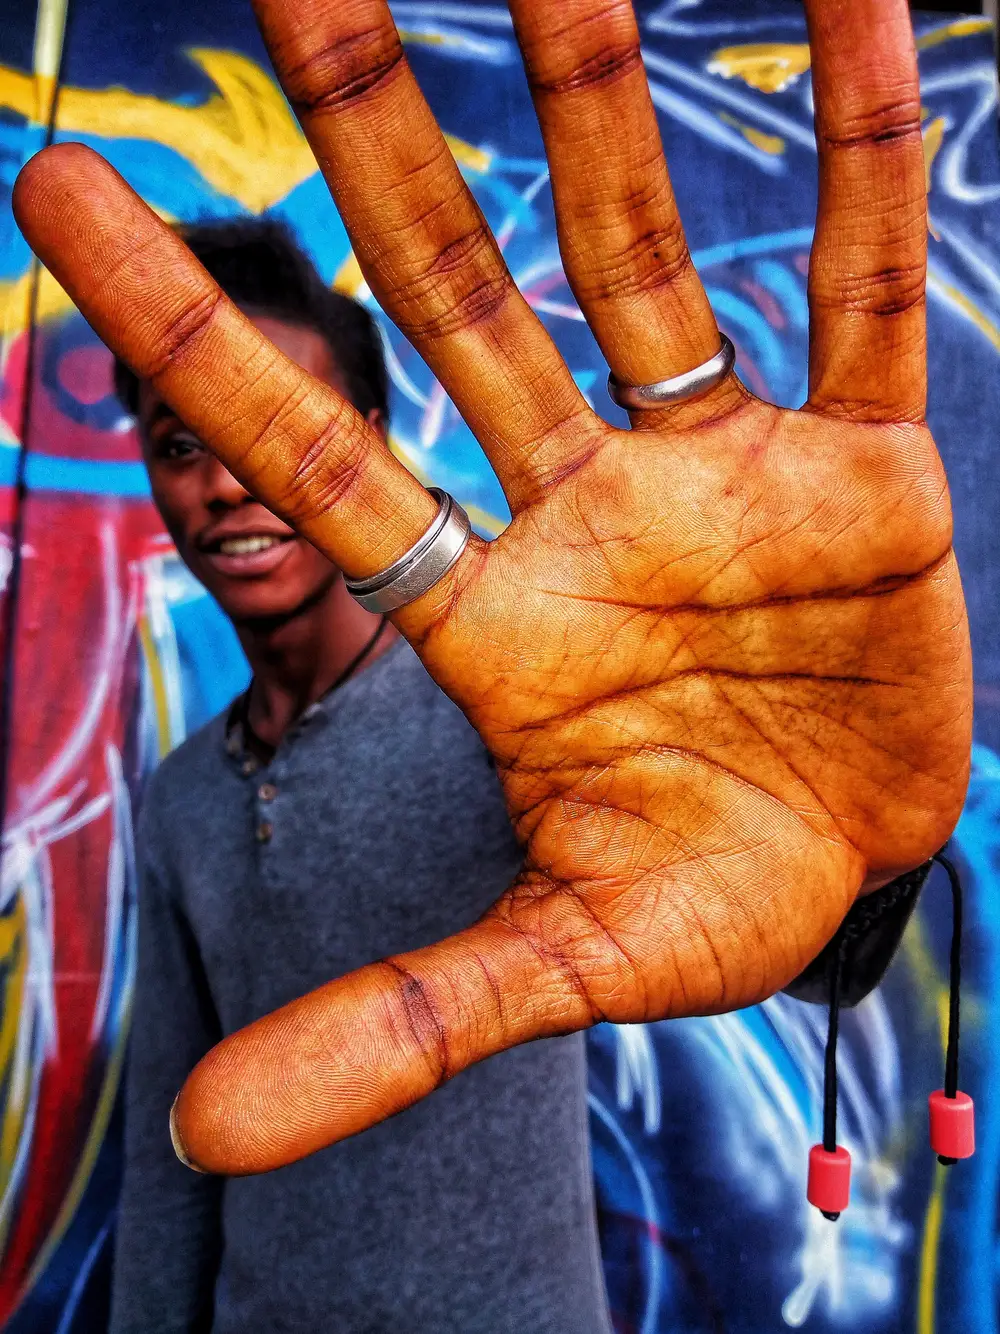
(571, 457)
(464, 286)
(656, 259)
(891, 123)
(345, 71)
(889, 291)
(479, 304)
(271, 424)
(184, 331)
(557, 963)
(324, 474)
(607, 65)
(470, 249)
(650, 193)
(422, 1021)
(492, 983)
(419, 182)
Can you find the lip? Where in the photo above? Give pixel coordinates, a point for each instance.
(252, 564)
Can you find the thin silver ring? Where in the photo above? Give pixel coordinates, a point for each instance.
(420, 568)
(690, 384)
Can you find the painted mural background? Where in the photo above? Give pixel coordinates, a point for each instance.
(111, 653)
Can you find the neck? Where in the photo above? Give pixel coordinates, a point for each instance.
(295, 661)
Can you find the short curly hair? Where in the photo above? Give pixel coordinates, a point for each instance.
(258, 265)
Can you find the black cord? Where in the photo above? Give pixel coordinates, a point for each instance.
(830, 1065)
(954, 978)
(954, 986)
(359, 658)
(833, 1031)
(830, 1061)
(243, 715)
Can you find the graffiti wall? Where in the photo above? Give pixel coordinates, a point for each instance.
(112, 653)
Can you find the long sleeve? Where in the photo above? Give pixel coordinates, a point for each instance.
(169, 1228)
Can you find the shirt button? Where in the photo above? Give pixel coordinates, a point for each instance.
(267, 792)
(250, 766)
(264, 831)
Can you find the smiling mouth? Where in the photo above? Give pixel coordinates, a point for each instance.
(248, 555)
(248, 546)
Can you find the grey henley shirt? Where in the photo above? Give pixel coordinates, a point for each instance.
(378, 826)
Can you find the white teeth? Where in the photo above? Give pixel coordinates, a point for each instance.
(246, 546)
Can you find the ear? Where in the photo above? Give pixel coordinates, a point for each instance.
(375, 419)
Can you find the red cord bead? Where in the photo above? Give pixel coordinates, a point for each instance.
(829, 1186)
(953, 1125)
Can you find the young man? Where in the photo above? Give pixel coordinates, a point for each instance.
(343, 811)
(720, 660)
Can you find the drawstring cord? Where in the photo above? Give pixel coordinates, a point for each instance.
(954, 978)
(954, 991)
(830, 1070)
(951, 1111)
(830, 1062)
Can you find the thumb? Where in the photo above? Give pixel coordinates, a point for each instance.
(368, 1045)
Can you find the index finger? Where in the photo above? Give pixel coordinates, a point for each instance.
(292, 440)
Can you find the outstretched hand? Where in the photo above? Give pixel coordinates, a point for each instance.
(721, 659)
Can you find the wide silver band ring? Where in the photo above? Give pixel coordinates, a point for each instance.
(420, 568)
(679, 387)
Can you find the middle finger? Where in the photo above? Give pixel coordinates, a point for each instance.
(620, 234)
(419, 236)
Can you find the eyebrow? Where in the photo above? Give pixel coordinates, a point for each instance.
(160, 412)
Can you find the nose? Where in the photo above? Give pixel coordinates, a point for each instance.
(223, 490)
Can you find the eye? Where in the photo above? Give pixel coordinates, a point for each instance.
(178, 445)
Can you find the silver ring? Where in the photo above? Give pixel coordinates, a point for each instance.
(687, 385)
(420, 568)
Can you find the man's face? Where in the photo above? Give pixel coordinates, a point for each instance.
(252, 563)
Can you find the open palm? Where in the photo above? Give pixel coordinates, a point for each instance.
(720, 659)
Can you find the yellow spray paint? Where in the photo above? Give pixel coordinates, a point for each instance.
(770, 67)
(930, 1247)
(947, 32)
(243, 139)
(957, 299)
(13, 974)
(158, 688)
(933, 132)
(767, 143)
